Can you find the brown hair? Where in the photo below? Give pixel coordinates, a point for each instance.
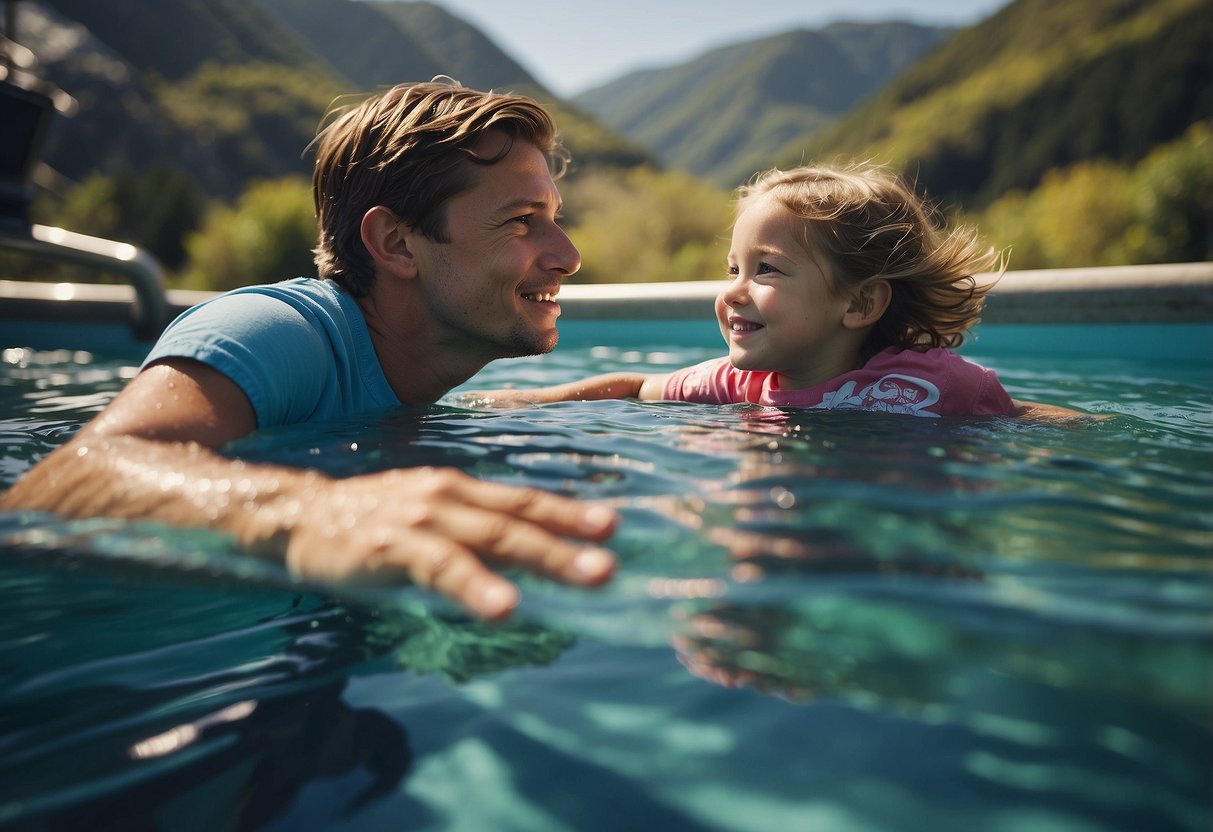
(410, 149)
(868, 224)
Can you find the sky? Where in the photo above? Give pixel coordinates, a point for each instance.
(574, 45)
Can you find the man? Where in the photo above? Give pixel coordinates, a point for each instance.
(439, 251)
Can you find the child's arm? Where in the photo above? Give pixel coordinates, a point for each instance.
(607, 386)
(1050, 412)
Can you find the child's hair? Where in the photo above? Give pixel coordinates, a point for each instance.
(868, 224)
(411, 149)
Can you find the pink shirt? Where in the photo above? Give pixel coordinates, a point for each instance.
(934, 383)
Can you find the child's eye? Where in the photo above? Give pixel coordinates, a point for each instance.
(731, 271)
(766, 268)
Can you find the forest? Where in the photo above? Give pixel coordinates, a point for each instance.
(1070, 133)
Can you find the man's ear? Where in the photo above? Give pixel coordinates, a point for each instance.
(386, 239)
(868, 304)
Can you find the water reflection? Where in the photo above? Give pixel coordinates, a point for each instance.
(128, 704)
(868, 621)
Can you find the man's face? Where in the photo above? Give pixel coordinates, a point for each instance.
(492, 288)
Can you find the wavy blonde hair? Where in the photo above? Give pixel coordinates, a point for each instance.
(868, 224)
(410, 149)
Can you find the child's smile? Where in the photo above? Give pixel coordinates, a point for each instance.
(739, 326)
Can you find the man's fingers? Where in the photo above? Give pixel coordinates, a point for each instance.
(507, 540)
(440, 564)
(558, 515)
(432, 561)
(443, 530)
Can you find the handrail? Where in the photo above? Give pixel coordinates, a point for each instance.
(1171, 293)
(150, 311)
(1156, 293)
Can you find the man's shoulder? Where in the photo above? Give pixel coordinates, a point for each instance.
(277, 308)
(299, 292)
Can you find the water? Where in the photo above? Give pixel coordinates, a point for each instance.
(826, 621)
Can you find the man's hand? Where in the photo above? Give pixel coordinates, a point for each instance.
(442, 530)
(149, 456)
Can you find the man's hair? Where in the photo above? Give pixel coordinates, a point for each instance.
(868, 224)
(410, 149)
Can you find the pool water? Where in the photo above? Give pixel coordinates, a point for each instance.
(826, 621)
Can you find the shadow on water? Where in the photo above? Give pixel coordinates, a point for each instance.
(131, 705)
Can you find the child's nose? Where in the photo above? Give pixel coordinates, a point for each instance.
(738, 290)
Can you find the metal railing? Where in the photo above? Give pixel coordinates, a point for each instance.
(149, 310)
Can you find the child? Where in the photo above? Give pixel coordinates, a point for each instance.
(844, 292)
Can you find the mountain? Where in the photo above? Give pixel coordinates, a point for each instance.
(1037, 86)
(226, 91)
(382, 43)
(462, 50)
(744, 102)
(173, 38)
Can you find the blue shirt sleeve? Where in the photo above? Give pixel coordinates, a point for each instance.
(266, 346)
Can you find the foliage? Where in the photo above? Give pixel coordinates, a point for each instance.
(1048, 113)
(1174, 207)
(265, 237)
(591, 145)
(1039, 85)
(257, 118)
(172, 38)
(1099, 213)
(643, 225)
(153, 211)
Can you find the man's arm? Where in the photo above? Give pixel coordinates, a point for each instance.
(149, 456)
(595, 388)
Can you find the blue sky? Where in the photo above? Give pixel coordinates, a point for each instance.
(572, 45)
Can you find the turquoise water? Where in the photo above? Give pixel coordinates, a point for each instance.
(823, 621)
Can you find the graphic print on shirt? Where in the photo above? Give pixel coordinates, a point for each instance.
(893, 393)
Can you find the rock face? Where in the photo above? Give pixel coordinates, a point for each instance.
(109, 121)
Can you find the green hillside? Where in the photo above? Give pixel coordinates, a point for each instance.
(227, 91)
(377, 43)
(173, 38)
(1074, 132)
(461, 50)
(748, 100)
(1038, 86)
(357, 41)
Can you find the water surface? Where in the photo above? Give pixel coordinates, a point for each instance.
(828, 621)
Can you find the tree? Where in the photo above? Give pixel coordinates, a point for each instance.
(266, 236)
(643, 225)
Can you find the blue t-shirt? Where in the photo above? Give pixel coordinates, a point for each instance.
(299, 350)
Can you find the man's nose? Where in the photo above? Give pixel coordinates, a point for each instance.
(562, 255)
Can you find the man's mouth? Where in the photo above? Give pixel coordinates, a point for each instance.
(542, 297)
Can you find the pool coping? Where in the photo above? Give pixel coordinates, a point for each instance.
(1162, 293)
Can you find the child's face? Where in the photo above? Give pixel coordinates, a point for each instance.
(779, 311)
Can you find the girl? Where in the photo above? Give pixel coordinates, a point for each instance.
(844, 292)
